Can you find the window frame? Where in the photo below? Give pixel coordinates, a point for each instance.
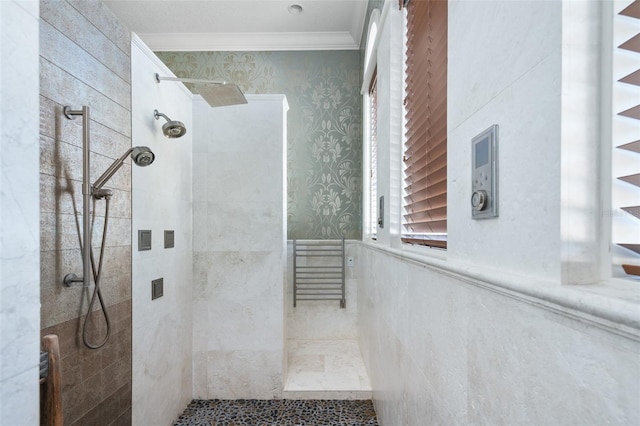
(370, 220)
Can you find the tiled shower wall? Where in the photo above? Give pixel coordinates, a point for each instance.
(161, 200)
(324, 142)
(239, 250)
(85, 60)
(489, 335)
(19, 215)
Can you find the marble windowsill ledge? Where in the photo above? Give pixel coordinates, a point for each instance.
(613, 306)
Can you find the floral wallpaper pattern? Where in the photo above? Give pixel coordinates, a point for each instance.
(324, 147)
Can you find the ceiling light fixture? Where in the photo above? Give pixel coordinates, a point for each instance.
(295, 9)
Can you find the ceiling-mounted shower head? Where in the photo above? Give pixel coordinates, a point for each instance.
(141, 155)
(221, 94)
(215, 92)
(171, 129)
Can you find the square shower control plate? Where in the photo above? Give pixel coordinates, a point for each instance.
(484, 174)
(169, 239)
(144, 239)
(157, 288)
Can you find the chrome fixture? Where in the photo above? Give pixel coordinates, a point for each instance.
(171, 129)
(295, 9)
(141, 156)
(315, 278)
(216, 92)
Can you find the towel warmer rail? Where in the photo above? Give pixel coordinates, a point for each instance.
(319, 270)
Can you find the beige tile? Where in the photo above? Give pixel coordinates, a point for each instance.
(298, 363)
(326, 369)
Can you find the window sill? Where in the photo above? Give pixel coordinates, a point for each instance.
(427, 252)
(613, 305)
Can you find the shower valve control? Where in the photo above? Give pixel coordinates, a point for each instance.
(479, 200)
(484, 174)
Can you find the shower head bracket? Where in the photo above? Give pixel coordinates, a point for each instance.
(172, 128)
(71, 113)
(102, 193)
(159, 78)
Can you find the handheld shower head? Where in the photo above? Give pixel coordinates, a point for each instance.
(141, 155)
(171, 129)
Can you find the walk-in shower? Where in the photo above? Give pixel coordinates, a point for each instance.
(172, 128)
(141, 156)
(216, 92)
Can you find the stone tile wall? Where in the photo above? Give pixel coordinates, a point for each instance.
(484, 333)
(239, 249)
(85, 60)
(441, 348)
(162, 382)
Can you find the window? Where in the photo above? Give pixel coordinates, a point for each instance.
(373, 155)
(425, 151)
(370, 92)
(626, 141)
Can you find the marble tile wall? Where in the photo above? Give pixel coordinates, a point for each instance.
(485, 333)
(85, 60)
(19, 214)
(441, 350)
(161, 200)
(239, 248)
(530, 86)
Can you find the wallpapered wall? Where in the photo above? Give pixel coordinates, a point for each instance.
(324, 149)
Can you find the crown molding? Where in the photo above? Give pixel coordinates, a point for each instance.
(175, 42)
(359, 20)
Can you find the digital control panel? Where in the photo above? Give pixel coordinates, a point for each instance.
(484, 174)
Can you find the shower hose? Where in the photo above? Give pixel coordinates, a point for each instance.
(97, 275)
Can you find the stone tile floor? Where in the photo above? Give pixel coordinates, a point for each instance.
(326, 369)
(278, 412)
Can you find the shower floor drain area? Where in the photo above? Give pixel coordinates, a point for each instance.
(281, 412)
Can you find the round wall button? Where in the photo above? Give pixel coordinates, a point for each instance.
(479, 200)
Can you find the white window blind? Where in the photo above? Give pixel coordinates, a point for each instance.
(625, 193)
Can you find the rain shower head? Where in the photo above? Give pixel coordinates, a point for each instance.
(171, 129)
(221, 94)
(141, 155)
(215, 92)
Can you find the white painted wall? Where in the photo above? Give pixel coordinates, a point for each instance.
(19, 213)
(486, 332)
(161, 200)
(239, 248)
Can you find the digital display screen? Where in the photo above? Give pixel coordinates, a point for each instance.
(482, 152)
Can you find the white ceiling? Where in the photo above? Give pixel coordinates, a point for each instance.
(180, 25)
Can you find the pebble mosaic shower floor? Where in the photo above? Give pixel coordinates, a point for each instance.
(278, 412)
